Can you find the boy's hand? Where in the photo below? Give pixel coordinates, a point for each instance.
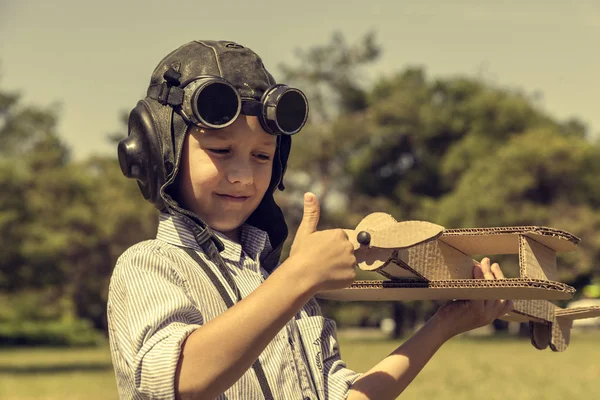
(326, 257)
(464, 315)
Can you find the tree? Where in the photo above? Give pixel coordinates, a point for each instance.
(541, 177)
(456, 151)
(64, 223)
(332, 77)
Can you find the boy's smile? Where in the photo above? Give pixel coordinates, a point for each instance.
(225, 173)
(232, 198)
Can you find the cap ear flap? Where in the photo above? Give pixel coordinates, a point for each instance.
(285, 146)
(140, 155)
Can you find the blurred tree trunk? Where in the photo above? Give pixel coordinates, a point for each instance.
(399, 312)
(500, 326)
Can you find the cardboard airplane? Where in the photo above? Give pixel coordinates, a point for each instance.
(424, 261)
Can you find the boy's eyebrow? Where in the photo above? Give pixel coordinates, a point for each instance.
(269, 142)
(218, 134)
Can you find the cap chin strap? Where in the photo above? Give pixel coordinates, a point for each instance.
(256, 366)
(202, 232)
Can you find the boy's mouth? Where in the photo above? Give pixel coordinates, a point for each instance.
(232, 197)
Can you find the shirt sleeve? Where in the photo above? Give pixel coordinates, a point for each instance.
(150, 316)
(319, 335)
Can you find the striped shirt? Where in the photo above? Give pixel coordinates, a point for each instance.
(158, 295)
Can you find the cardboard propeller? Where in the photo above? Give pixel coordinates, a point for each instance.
(424, 261)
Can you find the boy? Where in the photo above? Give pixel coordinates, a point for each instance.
(204, 311)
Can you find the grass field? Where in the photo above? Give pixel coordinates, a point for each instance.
(465, 368)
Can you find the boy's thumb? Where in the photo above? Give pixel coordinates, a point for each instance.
(310, 218)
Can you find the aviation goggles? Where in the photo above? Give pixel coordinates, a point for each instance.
(212, 102)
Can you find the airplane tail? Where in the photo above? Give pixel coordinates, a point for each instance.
(549, 325)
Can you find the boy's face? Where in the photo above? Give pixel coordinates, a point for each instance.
(225, 173)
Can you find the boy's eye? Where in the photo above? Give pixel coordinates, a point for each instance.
(262, 157)
(219, 151)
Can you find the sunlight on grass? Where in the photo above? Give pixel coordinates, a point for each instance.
(465, 368)
(482, 368)
(56, 373)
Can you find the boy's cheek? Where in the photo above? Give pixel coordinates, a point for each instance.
(265, 176)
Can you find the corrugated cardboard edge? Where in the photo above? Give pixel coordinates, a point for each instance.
(513, 288)
(578, 312)
(536, 230)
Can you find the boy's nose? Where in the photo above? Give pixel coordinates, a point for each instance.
(240, 173)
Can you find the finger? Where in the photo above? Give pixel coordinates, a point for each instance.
(310, 218)
(352, 238)
(508, 306)
(490, 304)
(496, 271)
(486, 269)
(477, 271)
(501, 307)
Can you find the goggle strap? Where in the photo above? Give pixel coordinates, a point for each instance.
(252, 107)
(166, 94)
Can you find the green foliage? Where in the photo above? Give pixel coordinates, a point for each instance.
(77, 332)
(592, 290)
(34, 317)
(63, 223)
(354, 314)
(525, 178)
(330, 75)
(456, 151)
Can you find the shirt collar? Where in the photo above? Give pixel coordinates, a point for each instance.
(254, 242)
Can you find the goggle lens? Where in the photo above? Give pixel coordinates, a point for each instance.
(291, 112)
(217, 104)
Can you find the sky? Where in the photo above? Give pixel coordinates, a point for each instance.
(94, 58)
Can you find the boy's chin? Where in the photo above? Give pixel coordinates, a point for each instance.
(226, 227)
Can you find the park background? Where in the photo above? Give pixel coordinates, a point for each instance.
(466, 114)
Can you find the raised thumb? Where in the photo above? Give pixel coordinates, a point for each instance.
(310, 218)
